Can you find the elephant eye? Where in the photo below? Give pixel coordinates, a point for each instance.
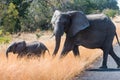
(63, 23)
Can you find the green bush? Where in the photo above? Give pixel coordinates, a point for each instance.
(110, 12)
(5, 39)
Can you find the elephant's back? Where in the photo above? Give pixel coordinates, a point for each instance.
(93, 17)
(101, 20)
(36, 46)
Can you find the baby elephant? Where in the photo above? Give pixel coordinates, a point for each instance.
(27, 49)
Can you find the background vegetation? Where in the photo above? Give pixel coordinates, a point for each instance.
(30, 15)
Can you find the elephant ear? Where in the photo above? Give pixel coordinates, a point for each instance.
(55, 16)
(20, 46)
(78, 22)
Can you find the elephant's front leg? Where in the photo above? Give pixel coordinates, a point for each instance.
(76, 51)
(68, 46)
(20, 55)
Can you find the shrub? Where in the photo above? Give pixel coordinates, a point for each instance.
(110, 12)
(5, 39)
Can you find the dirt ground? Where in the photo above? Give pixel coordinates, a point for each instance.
(47, 68)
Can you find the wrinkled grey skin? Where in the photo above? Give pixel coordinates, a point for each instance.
(91, 31)
(30, 49)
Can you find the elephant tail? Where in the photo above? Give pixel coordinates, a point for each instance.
(117, 39)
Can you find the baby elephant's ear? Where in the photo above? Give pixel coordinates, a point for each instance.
(78, 22)
(20, 46)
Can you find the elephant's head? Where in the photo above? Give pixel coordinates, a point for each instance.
(69, 22)
(16, 47)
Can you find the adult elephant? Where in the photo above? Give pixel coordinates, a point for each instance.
(91, 31)
(22, 48)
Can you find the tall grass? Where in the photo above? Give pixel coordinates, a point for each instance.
(47, 68)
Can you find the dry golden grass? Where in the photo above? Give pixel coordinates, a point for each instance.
(46, 68)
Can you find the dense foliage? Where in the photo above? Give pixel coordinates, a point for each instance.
(30, 15)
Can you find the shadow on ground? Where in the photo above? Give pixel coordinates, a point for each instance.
(109, 69)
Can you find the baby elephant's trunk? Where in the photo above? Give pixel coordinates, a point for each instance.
(7, 53)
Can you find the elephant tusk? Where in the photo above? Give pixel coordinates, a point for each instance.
(52, 36)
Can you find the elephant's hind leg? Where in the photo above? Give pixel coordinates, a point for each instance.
(20, 55)
(115, 57)
(105, 57)
(106, 49)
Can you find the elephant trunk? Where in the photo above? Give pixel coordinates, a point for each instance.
(11, 48)
(58, 32)
(57, 45)
(8, 50)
